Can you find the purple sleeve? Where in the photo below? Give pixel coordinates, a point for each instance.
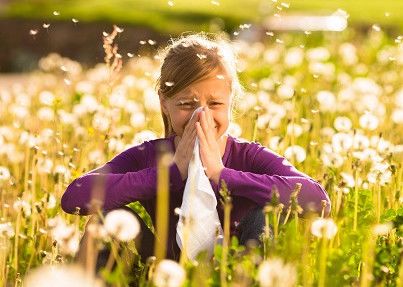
(122, 180)
(268, 169)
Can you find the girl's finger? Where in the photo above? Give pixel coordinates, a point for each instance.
(200, 135)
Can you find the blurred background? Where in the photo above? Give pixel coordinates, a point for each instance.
(31, 29)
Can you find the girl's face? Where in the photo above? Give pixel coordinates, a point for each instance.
(214, 92)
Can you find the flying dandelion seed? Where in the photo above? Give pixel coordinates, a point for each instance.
(279, 8)
(170, 3)
(118, 29)
(245, 26)
(269, 33)
(387, 14)
(33, 32)
(46, 26)
(67, 82)
(142, 42)
(376, 28)
(215, 3)
(285, 5)
(201, 56)
(63, 68)
(236, 33)
(220, 77)
(56, 13)
(151, 42)
(130, 55)
(277, 15)
(74, 20)
(105, 34)
(307, 32)
(279, 41)
(169, 84)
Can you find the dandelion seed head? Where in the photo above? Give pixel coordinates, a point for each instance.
(382, 229)
(4, 174)
(322, 227)
(169, 273)
(296, 153)
(275, 272)
(122, 224)
(7, 230)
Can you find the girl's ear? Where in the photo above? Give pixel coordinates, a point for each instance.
(163, 102)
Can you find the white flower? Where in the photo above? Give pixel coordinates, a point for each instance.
(143, 136)
(96, 157)
(234, 129)
(169, 273)
(294, 57)
(46, 98)
(369, 121)
(122, 224)
(22, 205)
(275, 273)
(382, 229)
(319, 54)
(342, 124)
(138, 120)
(294, 130)
(295, 152)
(4, 174)
(342, 142)
(348, 179)
(324, 227)
(285, 92)
(327, 100)
(101, 122)
(61, 276)
(6, 229)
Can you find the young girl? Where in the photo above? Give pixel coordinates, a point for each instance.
(198, 72)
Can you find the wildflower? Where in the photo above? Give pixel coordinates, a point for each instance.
(324, 227)
(327, 100)
(369, 121)
(342, 124)
(61, 275)
(285, 92)
(274, 272)
(122, 224)
(4, 174)
(295, 152)
(138, 120)
(168, 273)
(6, 229)
(382, 229)
(22, 205)
(143, 136)
(234, 129)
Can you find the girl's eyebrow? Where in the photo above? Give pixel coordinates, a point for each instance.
(193, 97)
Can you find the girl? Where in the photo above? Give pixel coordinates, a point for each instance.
(198, 72)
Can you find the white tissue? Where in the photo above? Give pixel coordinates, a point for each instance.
(199, 205)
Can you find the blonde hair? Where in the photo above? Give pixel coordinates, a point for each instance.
(192, 58)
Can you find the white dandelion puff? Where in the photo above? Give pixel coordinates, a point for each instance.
(122, 224)
(324, 227)
(274, 272)
(296, 153)
(369, 121)
(169, 273)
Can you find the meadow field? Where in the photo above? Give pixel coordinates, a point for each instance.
(332, 103)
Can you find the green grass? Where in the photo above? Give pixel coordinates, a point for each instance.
(198, 15)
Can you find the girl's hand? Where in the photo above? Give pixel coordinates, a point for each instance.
(184, 147)
(210, 153)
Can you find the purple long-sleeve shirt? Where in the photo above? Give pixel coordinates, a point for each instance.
(251, 170)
